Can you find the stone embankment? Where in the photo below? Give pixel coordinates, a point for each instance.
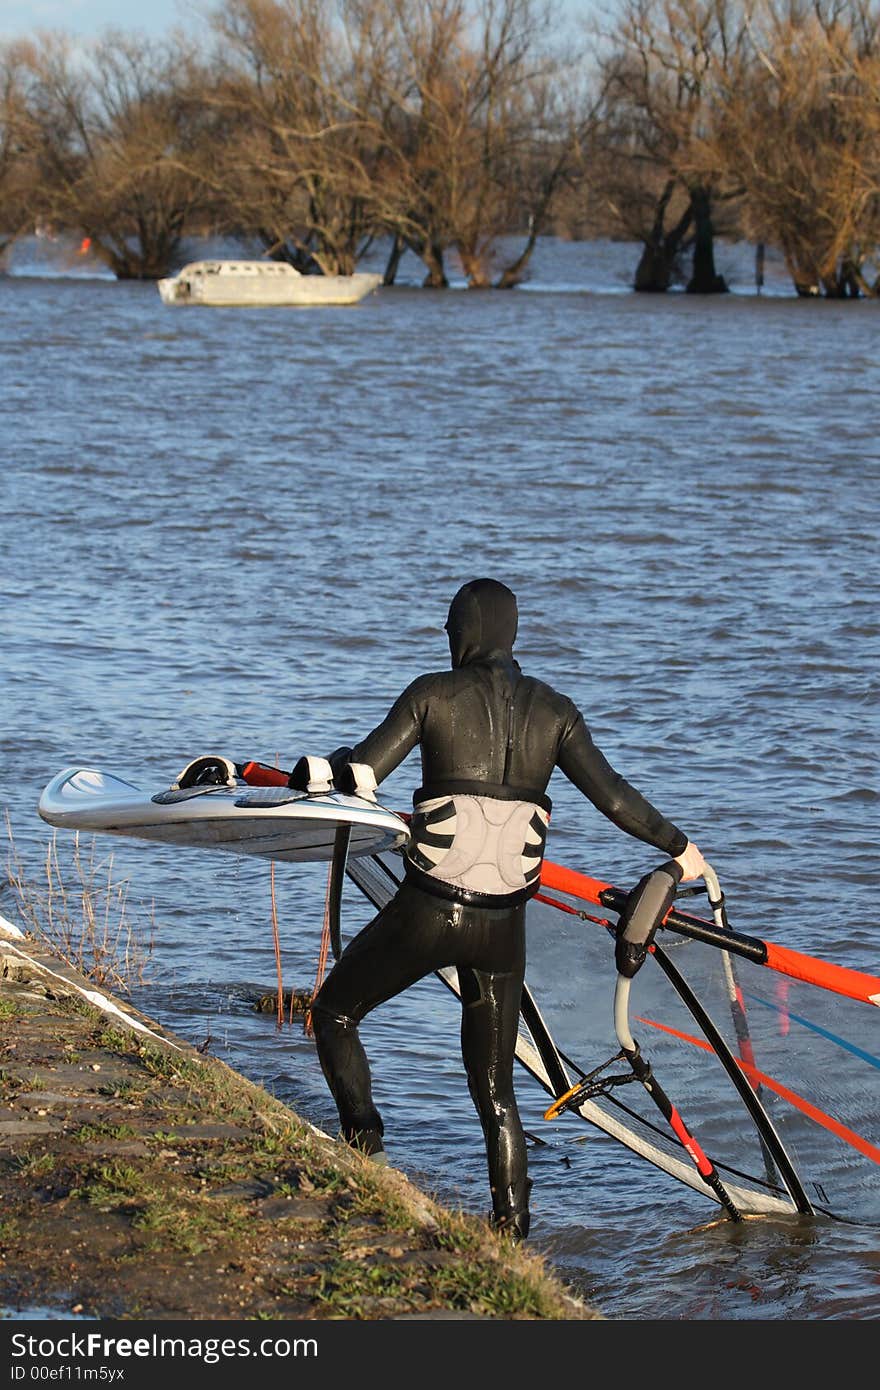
(140, 1179)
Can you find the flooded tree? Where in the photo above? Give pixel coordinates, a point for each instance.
(451, 128)
(480, 135)
(656, 161)
(483, 135)
(17, 175)
(800, 129)
(435, 123)
(120, 136)
(297, 81)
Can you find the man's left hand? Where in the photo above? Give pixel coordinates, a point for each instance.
(691, 862)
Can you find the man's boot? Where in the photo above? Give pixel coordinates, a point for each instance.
(511, 1215)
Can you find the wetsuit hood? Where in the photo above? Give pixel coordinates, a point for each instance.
(482, 621)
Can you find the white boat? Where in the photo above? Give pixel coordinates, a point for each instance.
(228, 283)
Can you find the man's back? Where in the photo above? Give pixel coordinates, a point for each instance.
(483, 723)
(493, 736)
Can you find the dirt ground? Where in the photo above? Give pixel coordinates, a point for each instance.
(142, 1180)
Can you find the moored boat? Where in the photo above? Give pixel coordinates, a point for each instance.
(261, 283)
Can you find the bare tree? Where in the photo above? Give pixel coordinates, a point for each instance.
(117, 137)
(17, 175)
(297, 81)
(658, 164)
(432, 121)
(800, 130)
(527, 136)
(476, 132)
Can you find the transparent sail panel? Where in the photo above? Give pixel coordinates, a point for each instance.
(811, 1057)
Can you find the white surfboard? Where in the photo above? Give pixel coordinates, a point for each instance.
(269, 822)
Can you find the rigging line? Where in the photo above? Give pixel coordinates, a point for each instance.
(323, 950)
(645, 1122)
(645, 909)
(276, 941)
(595, 1085)
(772, 1148)
(817, 1028)
(849, 1136)
(759, 1116)
(375, 877)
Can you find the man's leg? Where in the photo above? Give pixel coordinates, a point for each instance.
(400, 946)
(347, 1072)
(490, 1013)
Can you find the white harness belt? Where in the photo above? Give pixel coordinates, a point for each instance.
(479, 843)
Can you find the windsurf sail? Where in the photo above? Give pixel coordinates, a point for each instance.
(774, 1062)
(802, 1035)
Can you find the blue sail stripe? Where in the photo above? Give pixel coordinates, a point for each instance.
(815, 1028)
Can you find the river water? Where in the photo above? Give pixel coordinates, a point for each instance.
(239, 531)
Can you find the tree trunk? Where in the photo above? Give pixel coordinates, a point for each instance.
(759, 266)
(431, 254)
(704, 279)
(436, 277)
(398, 247)
(843, 283)
(512, 274)
(474, 267)
(279, 249)
(803, 277)
(128, 264)
(655, 268)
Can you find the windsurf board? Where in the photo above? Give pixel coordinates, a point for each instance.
(268, 822)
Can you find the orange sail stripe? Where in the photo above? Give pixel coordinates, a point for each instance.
(756, 1077)
(838, 978)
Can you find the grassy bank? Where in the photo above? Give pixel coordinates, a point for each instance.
(140, 1179)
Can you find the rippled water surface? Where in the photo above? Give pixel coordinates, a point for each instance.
(239, 531)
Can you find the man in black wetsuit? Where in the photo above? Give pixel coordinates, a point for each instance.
(490, 737)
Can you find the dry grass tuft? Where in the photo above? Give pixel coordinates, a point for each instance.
(82, 912)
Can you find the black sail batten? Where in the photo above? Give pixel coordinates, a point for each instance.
(763, 1123)
(547, 1050)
